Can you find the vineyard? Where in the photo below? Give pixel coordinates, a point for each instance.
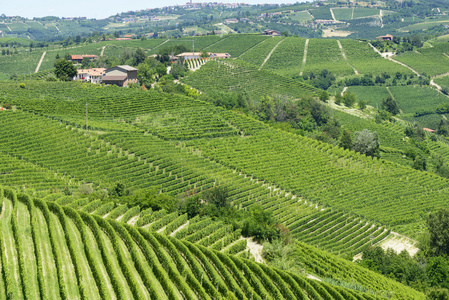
(334, 202)
(239, 76)
(72, 253)
(429, 61)
(366, 61)
(286, 60)
(257, 54)
(325, 54)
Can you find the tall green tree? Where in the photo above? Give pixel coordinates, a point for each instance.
(438, 226)
(390, 105)
(346, 140)
(64, 69)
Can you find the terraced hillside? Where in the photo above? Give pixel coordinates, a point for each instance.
(239, 76)
(142, 160)
(72, 254)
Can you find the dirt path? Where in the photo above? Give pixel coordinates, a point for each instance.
(133, 220)
(68, 270)
(380, 18)
(404, 65)
(10, 249)
(345, 58)
(399, 242)
(391, 94)
(179, 228)
(102, 50)
(351, 111)
(352, 16)
(269, 54)
(40, 62)
(8, 28)
(91, 289)
(435, 85)
(332, 13)
(255, 249)
(48, 264)
(99, 261)
(344, 90)
(304, 58)
(136, 276)
(160, 44)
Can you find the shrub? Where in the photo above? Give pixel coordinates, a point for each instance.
(22, 85)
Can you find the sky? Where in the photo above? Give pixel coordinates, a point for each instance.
(94, 8)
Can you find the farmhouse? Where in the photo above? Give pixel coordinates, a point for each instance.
(387, 37)
(92, 75)
(120, 75)
(270, 32)
(79, 58)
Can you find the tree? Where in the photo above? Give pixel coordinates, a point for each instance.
(391, 105)
(319, 113)
(145, 74)
(438, 271)
(438, 224)
(65, 70)
(346, 140)
(338, 98)
(366, 142)
(362, 104)
(419, 163)
(349, 99)
(324, 96)
(139, 56)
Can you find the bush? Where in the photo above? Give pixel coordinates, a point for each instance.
(22, 85)
(7, 106)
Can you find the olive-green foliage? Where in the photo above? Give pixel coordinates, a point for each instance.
(438, 223)
(366, 142)
(64, 69)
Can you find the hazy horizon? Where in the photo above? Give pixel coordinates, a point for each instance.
(99, 9)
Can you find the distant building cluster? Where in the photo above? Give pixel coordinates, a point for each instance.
(119, 75)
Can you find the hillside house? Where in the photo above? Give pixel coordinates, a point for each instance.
(120, 75)
(91, 75)
(387, 37)
(79, 58)
(270, 32)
